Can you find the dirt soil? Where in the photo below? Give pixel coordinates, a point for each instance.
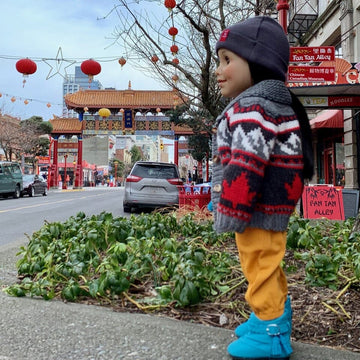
(319, 317)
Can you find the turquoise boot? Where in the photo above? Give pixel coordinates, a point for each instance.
(265, 340)
(242, 329)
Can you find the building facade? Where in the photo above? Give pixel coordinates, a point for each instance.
(315, 23)
(74, 83)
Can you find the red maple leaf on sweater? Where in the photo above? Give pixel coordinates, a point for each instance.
(294, 189)
(238, 191)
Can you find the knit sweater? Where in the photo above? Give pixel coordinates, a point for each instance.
(257, 160)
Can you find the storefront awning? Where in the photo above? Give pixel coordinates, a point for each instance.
(328, 119)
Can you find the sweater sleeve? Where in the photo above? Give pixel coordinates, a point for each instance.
(249, 136)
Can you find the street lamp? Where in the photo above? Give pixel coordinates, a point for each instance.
(116, 165)
(64, 183)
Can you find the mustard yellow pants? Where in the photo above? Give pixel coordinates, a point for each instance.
(261, 252)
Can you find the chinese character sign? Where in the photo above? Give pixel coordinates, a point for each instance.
(128, 115)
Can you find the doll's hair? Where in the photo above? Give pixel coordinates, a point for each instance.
(260, 73)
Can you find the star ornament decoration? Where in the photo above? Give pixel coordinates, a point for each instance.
(58, 67)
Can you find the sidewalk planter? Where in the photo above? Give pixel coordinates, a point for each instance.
(194, 197)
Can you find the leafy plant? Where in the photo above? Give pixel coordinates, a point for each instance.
(106, 257)
(330, 250)
(155, 260)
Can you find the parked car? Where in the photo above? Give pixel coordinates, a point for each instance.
(34, 185)
(152, 185)
(11, 182)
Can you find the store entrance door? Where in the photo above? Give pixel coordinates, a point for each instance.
(329, 166)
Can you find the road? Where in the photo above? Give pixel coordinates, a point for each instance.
(26, 215)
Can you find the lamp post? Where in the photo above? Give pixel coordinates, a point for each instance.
(74, 177)
(116, 173)
(283, 7)
(64, 183)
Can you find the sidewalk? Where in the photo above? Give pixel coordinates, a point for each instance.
(34, 329)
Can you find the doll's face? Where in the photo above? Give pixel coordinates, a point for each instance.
(233, 74)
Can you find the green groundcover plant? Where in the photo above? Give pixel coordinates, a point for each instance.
(182, 260)
(102, 256)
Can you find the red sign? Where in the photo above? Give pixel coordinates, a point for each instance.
(311, 73)
(346, 101)
(312, 54)
(323, 201)
(43, 159)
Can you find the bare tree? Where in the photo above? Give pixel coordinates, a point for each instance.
(9, 135)
(143, 35)
(23, 138)
(143, 31)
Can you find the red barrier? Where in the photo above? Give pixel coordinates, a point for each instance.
(194, 197)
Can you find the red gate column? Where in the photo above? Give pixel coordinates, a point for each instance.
(54, 181)
(282, 7)
(79, 173)
(176, 150)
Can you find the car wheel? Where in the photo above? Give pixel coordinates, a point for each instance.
(45, 192)
(127, 209)
(17, 192)
(32, 192)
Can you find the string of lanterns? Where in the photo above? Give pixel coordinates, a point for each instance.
(173, 31)
(26, 101)
(91, 67)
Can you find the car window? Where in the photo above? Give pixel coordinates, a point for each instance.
(15, 169)
(155, 172)
(7, 169)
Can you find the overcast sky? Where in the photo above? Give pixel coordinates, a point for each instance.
(37, 29)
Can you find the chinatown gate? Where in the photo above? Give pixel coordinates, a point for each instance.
(113, 112)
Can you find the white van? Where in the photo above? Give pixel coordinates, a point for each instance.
(11, 181)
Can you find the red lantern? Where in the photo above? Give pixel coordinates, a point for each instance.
(48, 105)
(173, 31)
(170, 4)
(26, 67)
(174, 49)
(26, 102)
(154, 58)
(122, 61)
(13, 99)
(90, 68)
(175, 61)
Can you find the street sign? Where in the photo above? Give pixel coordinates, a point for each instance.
(303, 54)
(311, 73)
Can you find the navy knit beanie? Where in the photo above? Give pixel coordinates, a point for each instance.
(261, 41)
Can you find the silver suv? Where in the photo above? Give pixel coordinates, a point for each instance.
(152, 185)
